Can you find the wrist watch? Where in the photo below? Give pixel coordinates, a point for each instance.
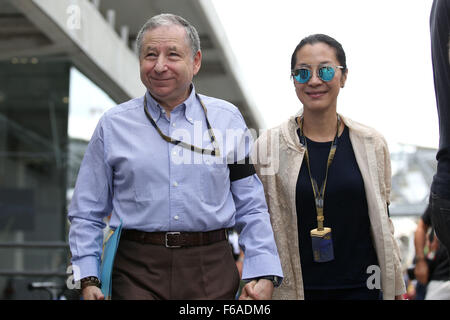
(90, 281)
(275, 280)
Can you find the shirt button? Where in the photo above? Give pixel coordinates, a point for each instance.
(176, 217)
(190, 119)
(175, 184)
(174, 153)
(174, 125)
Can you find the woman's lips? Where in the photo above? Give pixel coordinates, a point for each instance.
(316, 95)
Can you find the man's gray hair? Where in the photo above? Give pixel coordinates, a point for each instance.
(167, 19)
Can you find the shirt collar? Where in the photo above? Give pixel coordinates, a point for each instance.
(187, 107)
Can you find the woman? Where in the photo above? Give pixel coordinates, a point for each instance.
(327, 181)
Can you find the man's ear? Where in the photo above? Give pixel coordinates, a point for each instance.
(197, 62)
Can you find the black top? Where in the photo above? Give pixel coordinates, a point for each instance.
(345, 212)
(439, 266)
(440, 28)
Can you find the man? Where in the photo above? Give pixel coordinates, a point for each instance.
(166, 166)
(440, 188)
(432, 269)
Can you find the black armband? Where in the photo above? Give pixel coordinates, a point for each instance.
(241, 169)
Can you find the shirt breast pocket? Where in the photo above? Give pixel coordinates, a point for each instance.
(148, 182)
(214, 181)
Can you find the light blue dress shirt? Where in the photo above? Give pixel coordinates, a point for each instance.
(151, 185)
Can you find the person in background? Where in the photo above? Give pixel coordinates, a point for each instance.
(432, 268)
(328, 194)
(175, 199)
(440, 53)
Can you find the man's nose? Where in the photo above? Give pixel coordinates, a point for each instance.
(160, 65)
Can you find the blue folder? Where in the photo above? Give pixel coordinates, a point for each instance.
(109, 252)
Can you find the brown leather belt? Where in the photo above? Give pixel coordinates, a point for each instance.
(175, 239)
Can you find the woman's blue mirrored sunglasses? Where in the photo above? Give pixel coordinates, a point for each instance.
(326, 73)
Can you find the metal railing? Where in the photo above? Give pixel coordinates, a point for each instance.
(34, 245)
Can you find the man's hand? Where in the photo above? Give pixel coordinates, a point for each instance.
(421, 271)
(92, 293)
(257, 290)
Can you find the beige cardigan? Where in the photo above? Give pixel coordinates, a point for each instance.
(278, 156)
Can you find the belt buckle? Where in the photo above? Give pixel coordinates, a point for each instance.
(167, 243)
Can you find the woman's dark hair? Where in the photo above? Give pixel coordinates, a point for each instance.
(315, 38)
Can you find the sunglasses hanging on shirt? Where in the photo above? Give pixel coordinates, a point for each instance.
(215, 152)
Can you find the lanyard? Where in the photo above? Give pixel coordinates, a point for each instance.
(319, 193)
(215, 152)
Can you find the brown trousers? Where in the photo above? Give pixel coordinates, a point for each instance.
(154, 272)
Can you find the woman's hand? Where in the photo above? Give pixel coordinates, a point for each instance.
(257, 290)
